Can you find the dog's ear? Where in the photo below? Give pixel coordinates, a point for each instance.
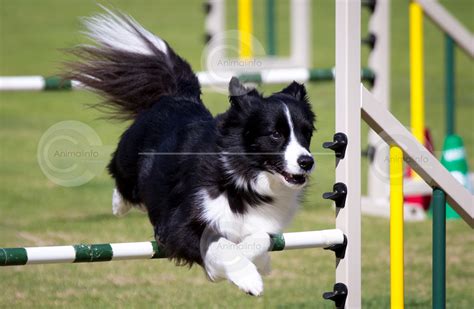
(296, 90)
(239, 95)
(236, 88)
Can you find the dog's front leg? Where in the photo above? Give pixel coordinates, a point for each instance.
(223, 259)
(255, 248)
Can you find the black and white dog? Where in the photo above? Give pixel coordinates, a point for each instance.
(213, 187)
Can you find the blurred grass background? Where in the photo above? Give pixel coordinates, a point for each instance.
(35, 211)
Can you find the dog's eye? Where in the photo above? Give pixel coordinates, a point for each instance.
(276, 135)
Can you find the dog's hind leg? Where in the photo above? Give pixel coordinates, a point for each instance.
(120, 207)
(223, 260)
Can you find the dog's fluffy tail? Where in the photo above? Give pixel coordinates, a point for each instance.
(129, 66)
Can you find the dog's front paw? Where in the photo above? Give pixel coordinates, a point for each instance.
(263, 264)
(248, 280)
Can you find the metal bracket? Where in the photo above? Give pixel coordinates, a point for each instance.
(370, 4)
(338, 195)
(207, 7)
(338, 295)
(370, 40)
(339, 145)
(369, 152)
(339, 249)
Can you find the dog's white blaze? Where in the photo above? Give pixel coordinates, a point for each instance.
(294, 149)
(111, 30)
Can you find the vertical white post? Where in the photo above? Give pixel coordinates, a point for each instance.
(348, 113)
(215, 27)
(300, 33)
(379, 62)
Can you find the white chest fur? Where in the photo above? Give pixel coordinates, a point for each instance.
(269, 218)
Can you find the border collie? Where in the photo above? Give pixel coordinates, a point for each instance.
(214, 188)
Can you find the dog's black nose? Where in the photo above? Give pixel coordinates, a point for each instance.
(305, 162)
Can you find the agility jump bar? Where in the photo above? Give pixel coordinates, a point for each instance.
(278, 76)
(206, 78)
(83, 253)
(36, 83)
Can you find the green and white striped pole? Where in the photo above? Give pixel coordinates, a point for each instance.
(278, 76)
(148, 249)
(206, 78)
(36, 83)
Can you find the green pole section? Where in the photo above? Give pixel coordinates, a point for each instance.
(13, 256)
(271, 31)
(368, 75)
(250, 78)
(321, 74)
(93, 253)
(277, 242)
(439, 249)
(449, 84)
(56, 83)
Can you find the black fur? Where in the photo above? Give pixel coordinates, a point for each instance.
(174, 148)
(132, 82)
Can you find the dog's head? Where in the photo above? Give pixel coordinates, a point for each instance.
(272, 133)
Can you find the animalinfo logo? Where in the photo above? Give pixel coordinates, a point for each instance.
(70, 153)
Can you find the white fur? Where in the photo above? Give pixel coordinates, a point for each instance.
(269, 218)
(244, 238)
(255, 248)
(112, 30)
(120, 207)
(293, 150)
(263, 183)
(239, 181)
(223, 260)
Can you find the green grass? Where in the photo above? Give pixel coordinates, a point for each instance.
(34, 211)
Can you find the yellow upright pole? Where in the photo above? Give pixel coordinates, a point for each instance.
(396, 228)
(245, 24)
(417, 99)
